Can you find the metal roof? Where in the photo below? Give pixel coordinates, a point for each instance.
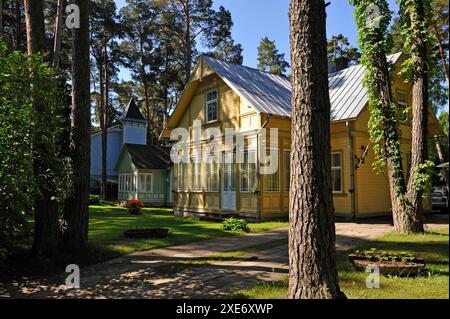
(132, 112)
(269, 93)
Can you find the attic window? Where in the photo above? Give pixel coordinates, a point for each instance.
(211, 106)
(402, 102)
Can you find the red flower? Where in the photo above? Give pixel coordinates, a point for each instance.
(135, 203)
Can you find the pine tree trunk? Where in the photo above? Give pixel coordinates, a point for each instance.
(406, 220)
(104, 186)
(46, 216)
(146, 93)
(1, 21)
(419, 108)
(76, 210)
(58, 35)
(34, 15)
(187, 39)
(441, 52)
(312, 252)
(17, 39)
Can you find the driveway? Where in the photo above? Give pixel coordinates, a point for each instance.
(170, 273)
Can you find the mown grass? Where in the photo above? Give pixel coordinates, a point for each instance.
(106, 240)
(107, 225)
(433, 283)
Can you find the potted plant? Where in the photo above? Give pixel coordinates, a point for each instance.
(135, 206)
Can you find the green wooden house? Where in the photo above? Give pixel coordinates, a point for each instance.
(145, 173)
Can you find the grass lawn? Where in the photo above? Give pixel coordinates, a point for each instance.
(432, 284)
(107, 225)
(106, 240)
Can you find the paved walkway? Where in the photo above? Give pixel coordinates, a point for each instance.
(147, 274)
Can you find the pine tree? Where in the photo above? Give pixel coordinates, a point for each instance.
(221, 41)
(269, 60)
(339, 47)
(312, 255)
(104, 30)
(76, 209)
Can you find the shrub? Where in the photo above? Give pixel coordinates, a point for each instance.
(94, 199)
(135, 203)
(236, 225)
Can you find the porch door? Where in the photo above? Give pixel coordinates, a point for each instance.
(228, 183)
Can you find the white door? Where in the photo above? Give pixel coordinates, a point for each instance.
(228, 184)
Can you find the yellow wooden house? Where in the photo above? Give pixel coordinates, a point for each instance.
(227, 96)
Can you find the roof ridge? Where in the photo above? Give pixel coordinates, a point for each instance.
(245, 66)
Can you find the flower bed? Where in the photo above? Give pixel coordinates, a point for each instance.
(401, 265)
(135, 206)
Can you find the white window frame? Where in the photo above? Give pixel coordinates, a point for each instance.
(277, 174)
(208, 103)
(404, 117)
(180, 176)
(287, 170)
(337, 168)
(126, 182)
(244, 167)
(212, 170)
(196, 174)
(146, 175)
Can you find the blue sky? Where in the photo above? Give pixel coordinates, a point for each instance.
(255, 19)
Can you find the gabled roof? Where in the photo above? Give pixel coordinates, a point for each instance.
(271, 94)
(132, 112)
(149, 156)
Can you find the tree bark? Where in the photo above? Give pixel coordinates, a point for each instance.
(58, 35)
(441, 52)
(46, 225)
(312, 254)
(1, 20)
(187, 39)
(145, 84)
(419, 133)
(105, 115)
(34, 16)
(76, 210)
(18, 30)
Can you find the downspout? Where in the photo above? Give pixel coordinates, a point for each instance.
(258, 194)
(352, 169)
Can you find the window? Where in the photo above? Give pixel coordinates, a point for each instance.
(272, 181)
(336, 172)
(212, 175)
(211, 106)
(180, 176)
(127, 182)
(229, 174)
(287, 170)
(248, 171)
(145, 183)
(402, 102)
(197, 177)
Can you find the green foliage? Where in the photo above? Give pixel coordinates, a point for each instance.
(16, 123)
(269, 60)
(438, 28)
(339, 46)
(236, 225)
(422, 176)
(94, 199)
(220, 39)
(375, 41)
(31, 165)
(376, 255)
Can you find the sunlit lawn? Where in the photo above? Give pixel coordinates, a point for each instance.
(106, 240)
(433, 283)
(107, 225)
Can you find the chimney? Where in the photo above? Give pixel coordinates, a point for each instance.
(337, 64)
